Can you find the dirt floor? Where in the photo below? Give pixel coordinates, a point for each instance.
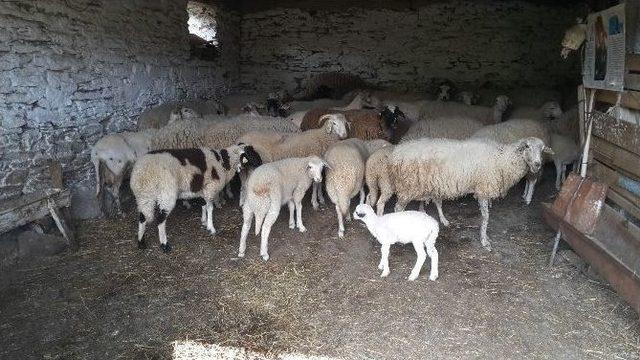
(316, 295)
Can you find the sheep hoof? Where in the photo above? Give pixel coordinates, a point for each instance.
(240, 255)
(433, 277)
(385, 273)
(166, 248)
(302, 229)
(412, 277)
(265, 257)
(142, 245)
(446, 223)
(315, 206)
(380, 267)
(292, 225)
(212, 232)
(486, 244)
(341, 234)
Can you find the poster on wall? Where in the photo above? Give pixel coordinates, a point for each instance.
(605, 50)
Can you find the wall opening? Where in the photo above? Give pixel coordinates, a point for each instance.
(203, 30)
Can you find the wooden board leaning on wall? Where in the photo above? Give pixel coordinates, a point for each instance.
(616, 143)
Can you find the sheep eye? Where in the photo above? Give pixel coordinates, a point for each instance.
(111, 158)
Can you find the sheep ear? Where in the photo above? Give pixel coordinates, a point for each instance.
(549, 151)
(331, 125)
(326, 164)
(522, 145)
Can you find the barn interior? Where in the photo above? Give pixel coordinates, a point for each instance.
(74, 283)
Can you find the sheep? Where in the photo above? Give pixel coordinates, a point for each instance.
(467, 97)
(223, 133)
(331, 85)
(268, 188)
(566, 153)
(453, 127)
(364, 124)
(161, 177)
(548, 111)
(486, 115)
(441, 169)
(114, 154)
(573, 38)
(512, 130)
(444, 92)
(377, 177)
(404, 227)
(274, 146)
(159, 116)
(345, 173)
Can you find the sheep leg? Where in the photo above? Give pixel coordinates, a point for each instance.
(142, 226)
(372, 197)
(243, 187)
(340, 222)
(401, 203)
(382, 201)
(271, 217)
(422, 256)
(210, 227)
(526, 189)
(314, 197)
(203, 217)
(96, 165)
(298, 201)
(531, 188)
(384, 260)
(247, 218)
(217, 201)
(292, 223)
(484, 210)
(559, 174)
(161, 218)
(433, 254)
(362, 195)
(320, 193)
(443, 219)
(227, 189)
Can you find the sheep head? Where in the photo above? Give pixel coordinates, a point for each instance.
(249, 158)
(573, 38)
(445, 92)
(183, 113)
(335, 123)
(551, 110)
(314, 168)
(532, 151)
(364, 212)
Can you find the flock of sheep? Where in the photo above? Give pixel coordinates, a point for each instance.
(417, 149)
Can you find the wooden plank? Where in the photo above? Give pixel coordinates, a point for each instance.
(621, 133)
(630, 98)
(622, 197)
(624, 203)
(632, 81)
(28, 208)
(633, 63)
(616, 157)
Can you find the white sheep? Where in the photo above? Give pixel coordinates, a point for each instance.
(268, 188)
(573, 38)
(405, 227)
(452, 127)
(114, 154)
(443, 169)
(274, 146)
(159, 116)
(550, 110)
(377, 178)
(566, 152)
(160, 178)
(512, 130)
(345, 174)
(467, 97)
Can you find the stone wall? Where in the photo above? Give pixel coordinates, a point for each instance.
(407, 43)
(74, 70)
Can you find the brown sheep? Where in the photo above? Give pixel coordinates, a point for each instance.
(363, 124)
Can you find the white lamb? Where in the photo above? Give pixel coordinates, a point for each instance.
(404, 227)
(268, 188)
(441, 169)
(566, 152)
(345, 173)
